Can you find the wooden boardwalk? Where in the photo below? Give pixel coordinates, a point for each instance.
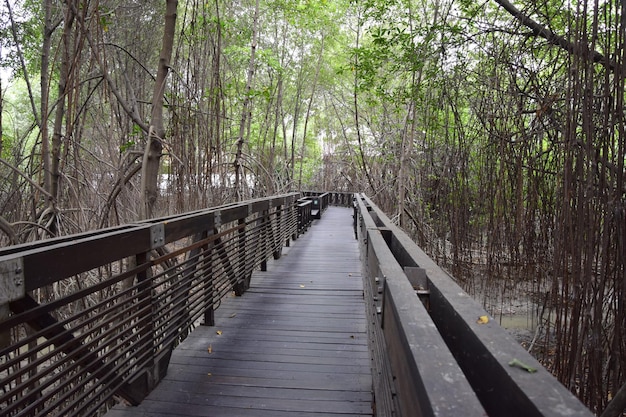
(295, 344)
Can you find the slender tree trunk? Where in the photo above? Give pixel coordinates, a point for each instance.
(45, 64)
(156, 134)
(216, 100)
(356, 109)
(308, 111)
(408, 135)
(296, 116)
(245, 112)
(57, 134)
(278, 105)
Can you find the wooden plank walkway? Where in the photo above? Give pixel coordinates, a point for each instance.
(295, 344)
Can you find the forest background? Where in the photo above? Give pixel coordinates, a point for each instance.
(493, 133)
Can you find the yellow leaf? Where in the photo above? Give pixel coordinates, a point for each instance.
(219, 332)
(209, 374)
(301, 286)
(483, 320)
(210, 349)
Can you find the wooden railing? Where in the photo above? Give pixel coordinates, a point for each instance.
(96, 315)
(435, 351)
(88, 317)
(331, 198)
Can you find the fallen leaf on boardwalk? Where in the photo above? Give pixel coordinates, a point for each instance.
(219, 332)
(301, 286)
(233, 315)
(351, 336)
(519, 364)
(209, 374)
(349, 275)
(210, 349)
(483, 320)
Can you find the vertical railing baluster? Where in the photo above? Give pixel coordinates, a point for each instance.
(265, 223)
(277, 240)
(242, 275)
(205, 269)
(146, 323)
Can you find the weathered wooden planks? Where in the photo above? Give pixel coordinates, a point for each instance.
(294, 344)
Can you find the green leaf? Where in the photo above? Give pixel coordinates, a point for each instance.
(126, 146)
(519, 364)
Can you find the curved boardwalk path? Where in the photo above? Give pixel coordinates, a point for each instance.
(295, 344)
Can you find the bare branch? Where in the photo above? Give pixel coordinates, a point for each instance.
(7, 228)
(22, 174)
(555, 39)
(131, 111)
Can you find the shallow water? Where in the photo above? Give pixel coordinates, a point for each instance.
(517, 322)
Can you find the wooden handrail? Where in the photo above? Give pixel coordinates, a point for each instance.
(90, 316)
(430, 350)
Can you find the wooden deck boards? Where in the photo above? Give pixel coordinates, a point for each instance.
(295, 344)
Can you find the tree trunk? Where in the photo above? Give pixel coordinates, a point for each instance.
(279, 103)
(245, 111)
(57, 134)
(356, 109)
(296, 116)
(156, 134)
(215, 107)
(308, 111)
(408, 136)
(45, 94)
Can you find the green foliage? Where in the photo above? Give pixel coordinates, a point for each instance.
(17, 118)
(28, 19)
(126, 146)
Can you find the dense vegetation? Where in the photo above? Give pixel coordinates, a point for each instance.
(494, 133)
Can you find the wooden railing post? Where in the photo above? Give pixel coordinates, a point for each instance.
(204, 273)
(278, 247)
(265, 223)
(243, 281)
(209, 283)
(295, 213)
(287, 223)
(143, 382)
(5, 335)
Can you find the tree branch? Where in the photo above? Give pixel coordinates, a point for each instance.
(27, 178)
(7, 228)
(130, 110)
(555, 39)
